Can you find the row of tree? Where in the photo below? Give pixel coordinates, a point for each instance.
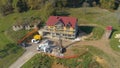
(9, 6)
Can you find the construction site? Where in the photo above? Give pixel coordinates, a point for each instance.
(46, 43)
(54, 39)
(61, 43)
(50, 46)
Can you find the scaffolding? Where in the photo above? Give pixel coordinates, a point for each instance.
(60, 32)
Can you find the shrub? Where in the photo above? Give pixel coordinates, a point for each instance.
(3, 53)
(97, 33)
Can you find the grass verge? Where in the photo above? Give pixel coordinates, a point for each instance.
(114, 42)
(7, 56)
(97, 33)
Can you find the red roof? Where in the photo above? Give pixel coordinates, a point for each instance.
(109, 27)
(54, 19)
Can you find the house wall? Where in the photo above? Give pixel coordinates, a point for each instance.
(65, 33)
(76, 29)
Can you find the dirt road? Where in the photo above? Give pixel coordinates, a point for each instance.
(103, 44)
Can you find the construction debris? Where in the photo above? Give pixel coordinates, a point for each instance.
(47, 46)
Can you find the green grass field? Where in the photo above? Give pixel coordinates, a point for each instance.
(97, 33)
(85, 60)
(94, 15)
(101, 17)
(114, 42)
(39, 61)
(7, 36)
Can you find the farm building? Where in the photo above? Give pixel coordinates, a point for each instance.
(61, 26)
(26, 26)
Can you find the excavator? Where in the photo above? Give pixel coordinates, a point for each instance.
(61, 48)
(27, 35)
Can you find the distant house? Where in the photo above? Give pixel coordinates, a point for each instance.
(61, 26)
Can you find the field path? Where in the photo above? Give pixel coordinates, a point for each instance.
(29, 53)
(103, 44)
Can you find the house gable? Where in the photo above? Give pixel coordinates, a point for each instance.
(68, 25)
(53, 20)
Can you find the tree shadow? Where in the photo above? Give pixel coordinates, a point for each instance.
(92, 13)
(113, 30)
(79, 3)
(86, 29)
(62, 13)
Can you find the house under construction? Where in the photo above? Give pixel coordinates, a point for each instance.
(61, 26)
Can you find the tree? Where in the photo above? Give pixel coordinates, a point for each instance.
(116, 4)
(98, 2)
(64, 3)
(6, 7)
(59, 4)
(21, 6)
(35, 4)
(2, 10)
(47, 10)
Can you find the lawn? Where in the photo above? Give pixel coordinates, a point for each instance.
(39, 61)
(9, 54)
(95, 15)
(8, 37)
(43, 61)
(84, 60)
(97, 33)
(101, 17)
(114, 41)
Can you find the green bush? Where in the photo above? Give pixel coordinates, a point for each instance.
(10, 48)
(10, 53)
(3, 53)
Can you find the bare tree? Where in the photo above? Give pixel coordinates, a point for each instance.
(85, 5)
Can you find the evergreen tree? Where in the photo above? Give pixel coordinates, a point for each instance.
(21, 6)
(116, 4)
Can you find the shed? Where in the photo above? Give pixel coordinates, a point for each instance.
(109, 28)
(108, 31)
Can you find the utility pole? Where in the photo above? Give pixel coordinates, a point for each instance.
(60, 41)
(118, 15)
(62, 49)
